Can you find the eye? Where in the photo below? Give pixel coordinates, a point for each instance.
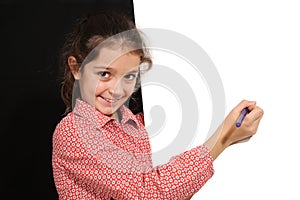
(104, 75)
(130, 77)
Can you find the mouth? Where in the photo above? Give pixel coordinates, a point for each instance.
(109, 100)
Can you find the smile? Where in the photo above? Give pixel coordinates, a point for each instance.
(110, 100)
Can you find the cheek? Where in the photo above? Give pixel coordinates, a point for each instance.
(91, 86)
(129, 88)
(100, 88)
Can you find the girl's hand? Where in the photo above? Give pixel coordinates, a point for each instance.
(228, 134)
(232, 134)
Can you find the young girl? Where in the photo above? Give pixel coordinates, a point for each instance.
(101, 150)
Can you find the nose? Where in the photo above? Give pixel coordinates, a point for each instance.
(116, 89)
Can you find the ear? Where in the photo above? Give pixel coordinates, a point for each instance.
(74, 67)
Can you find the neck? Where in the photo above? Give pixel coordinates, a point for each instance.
(117, 115)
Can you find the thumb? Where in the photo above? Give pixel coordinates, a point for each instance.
(245, 103)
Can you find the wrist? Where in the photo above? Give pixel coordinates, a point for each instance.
(218, 142)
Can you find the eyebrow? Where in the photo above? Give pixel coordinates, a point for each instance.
(134, 71)
(102, 67)
(109, 68)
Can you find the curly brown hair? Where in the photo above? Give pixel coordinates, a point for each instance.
(86, 36)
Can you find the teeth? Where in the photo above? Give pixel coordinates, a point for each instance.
(110, 100)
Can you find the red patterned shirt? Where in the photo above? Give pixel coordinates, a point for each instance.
(97, 157)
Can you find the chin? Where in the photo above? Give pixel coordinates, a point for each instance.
(107, 111)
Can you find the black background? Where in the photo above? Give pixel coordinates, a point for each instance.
(32, 34)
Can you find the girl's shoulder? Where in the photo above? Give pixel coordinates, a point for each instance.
(65, 123)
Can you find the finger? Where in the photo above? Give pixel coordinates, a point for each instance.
(251, 107)
(256, 113)
(245, 103)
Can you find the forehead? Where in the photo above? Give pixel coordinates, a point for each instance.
(119, 59)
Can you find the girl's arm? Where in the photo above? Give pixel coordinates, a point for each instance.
(78, 172)
(227, 134)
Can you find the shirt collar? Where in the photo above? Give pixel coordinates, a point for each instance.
(128, 116)
(89, 112)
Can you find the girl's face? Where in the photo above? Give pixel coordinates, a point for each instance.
(109, 80)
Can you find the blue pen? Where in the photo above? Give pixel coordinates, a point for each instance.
(244, 112)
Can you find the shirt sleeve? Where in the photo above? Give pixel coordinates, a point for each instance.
(78, 173)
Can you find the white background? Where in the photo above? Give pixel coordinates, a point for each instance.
(255, 45)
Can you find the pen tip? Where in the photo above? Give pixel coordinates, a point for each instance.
(238, 124)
